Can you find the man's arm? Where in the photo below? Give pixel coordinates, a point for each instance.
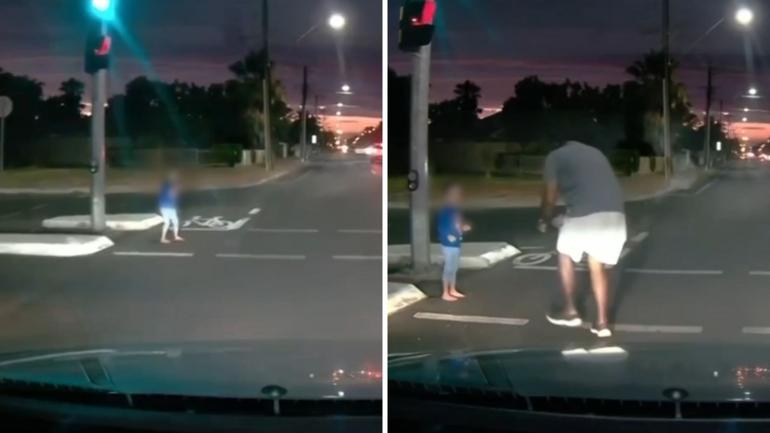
(548, 204)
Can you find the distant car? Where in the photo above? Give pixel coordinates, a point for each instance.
(376, 158)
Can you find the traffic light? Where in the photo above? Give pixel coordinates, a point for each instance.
(98, 49)
(104, 10)
(416, 26)
(413, 181)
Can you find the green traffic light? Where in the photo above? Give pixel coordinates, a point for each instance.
(104, 9)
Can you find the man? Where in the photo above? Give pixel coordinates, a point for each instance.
(594, 225)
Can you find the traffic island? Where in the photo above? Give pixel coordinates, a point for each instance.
(474, 255)
(52, 245)
(117, 222)
(402, 295)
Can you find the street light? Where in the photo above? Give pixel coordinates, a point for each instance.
(337, 21)
(744, 16)
(339, 104)
(745, 119)
(104, 9)
(746, 110)
(753, 91)
(345, 88)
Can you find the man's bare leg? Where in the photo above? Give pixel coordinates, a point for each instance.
(567, 274)
(569, 315)
(600, 285)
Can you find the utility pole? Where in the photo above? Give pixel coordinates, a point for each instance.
(268, 140)
(668, 168)
(707, 141)
(420, 196)
(98, 148)
(303, 140)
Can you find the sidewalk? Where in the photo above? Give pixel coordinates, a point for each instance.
(119, 180)
(501, 192)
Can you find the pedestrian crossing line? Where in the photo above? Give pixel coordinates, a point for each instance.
(674, 271)
(511, 321)
(759, 273)
(263, 230)
(652, 329)
(360, 258)
(360, 231)
(150, 254)
(757, 330)
(263, 256)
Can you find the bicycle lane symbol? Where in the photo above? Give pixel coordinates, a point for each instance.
(539, 259)
(214, 224)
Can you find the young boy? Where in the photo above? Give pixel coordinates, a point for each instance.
(168, 201)
(450, 232)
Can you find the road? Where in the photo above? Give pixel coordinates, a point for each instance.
(697, 268)
(304, 263)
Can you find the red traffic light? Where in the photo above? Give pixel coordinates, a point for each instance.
(416, 27)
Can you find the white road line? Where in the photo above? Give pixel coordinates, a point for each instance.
(262, 256)
(532, 248)
(359, 258)
(360, 231)
(39, 206)
(472, 319)
(760, 273)
(150, 254)
(255, 211)
(653, 329)
(258, 230)
(640, 237)
(759, 330)
(546, 268)
(18, 212)
(705, 187)
(674, 271)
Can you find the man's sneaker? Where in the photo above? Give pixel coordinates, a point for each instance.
(570, 320)
(601, 331)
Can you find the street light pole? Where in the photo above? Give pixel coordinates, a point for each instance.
(303, 140)
(266, 87)
(98, 151)
(709, 95)
(420, 197)
(666, 91)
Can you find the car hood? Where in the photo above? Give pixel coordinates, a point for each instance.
(710, 372)
(305, 369)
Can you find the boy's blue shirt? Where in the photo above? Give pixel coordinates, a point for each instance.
(448, 219)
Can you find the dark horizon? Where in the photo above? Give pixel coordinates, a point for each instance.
(498, 43)
(211, 36)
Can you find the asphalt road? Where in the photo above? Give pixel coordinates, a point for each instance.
(697, 268)
(305, 264)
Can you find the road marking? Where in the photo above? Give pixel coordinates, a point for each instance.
(653, 329)
(360, 231)
(262, 256)
(705, 187)
(357, 257)
(640, 237)
(18, 212)
(258, 230)
(673, 271)
(472, 319)
(760, 273)
(760, 330)
(255, 211)
(39, 206)
(151, 254)
(532, 248)
(578, 268)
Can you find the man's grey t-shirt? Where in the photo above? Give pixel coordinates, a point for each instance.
(585, 179)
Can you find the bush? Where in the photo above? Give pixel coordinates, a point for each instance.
(228, 153)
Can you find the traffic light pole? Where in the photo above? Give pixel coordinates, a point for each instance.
(98, 149)
(266, 87)
(303, 140)
(420, 198)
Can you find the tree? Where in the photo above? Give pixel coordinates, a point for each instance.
(25, 125)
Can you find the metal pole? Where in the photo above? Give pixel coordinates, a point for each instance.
(98, 157)
(266, 87)
(666, 90)
(2, 144)
(420, 198)
(707, 141)
(303, 140)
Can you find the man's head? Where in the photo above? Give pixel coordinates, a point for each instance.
(453, 193)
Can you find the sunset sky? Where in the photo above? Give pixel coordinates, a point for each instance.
(195, 40)
(497, 42)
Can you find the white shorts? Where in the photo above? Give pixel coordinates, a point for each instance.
(600, 235)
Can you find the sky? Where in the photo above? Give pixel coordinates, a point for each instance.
(196, 40)
(495, 43)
